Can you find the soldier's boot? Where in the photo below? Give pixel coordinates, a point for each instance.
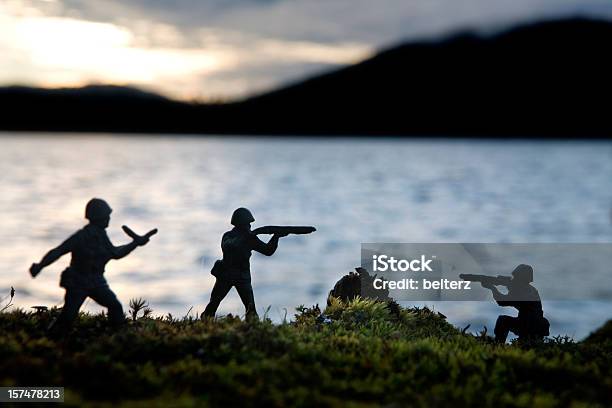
(251, 314)
(211, 309)
(61, 325)
(116, 318)
(530, 339)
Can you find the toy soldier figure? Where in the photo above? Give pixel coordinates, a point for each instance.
(235, 270)
(91, 249)
(530, 323)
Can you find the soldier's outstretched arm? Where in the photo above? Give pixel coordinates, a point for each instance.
(52, 256)
(124, 250)
(269, 248)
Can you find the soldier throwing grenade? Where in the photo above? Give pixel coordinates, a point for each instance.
(91, 250)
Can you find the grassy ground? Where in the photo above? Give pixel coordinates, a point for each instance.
(358, 354)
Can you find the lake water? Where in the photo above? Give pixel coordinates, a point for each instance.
(352, 190)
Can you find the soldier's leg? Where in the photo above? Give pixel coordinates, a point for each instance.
(105, 297)
(245, 291)
(220, 290)
(73, 300)
(503, 326)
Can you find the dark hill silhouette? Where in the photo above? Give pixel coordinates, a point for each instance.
(91, 108)
(542, 79)
(89, 91)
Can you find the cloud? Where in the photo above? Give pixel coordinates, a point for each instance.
(228, 48)
(372, 22)
(60, 51)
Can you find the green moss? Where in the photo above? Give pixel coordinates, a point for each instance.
(357, 354)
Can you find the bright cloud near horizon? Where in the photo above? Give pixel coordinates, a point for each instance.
(197, 49)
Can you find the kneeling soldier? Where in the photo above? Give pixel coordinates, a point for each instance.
(530, 323)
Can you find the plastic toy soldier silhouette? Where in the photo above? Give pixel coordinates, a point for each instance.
(530, 323)
(234, 270)
(91, 250)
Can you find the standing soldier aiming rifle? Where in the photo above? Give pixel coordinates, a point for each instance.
(234, 270)
(91, 250)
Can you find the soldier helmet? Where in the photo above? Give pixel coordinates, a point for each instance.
(523, 273)
(97, 209)
(242, 216)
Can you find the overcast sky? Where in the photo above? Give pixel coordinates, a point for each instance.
(230, 48)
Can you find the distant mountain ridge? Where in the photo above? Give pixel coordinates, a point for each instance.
(86, 91)
(549, 79)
